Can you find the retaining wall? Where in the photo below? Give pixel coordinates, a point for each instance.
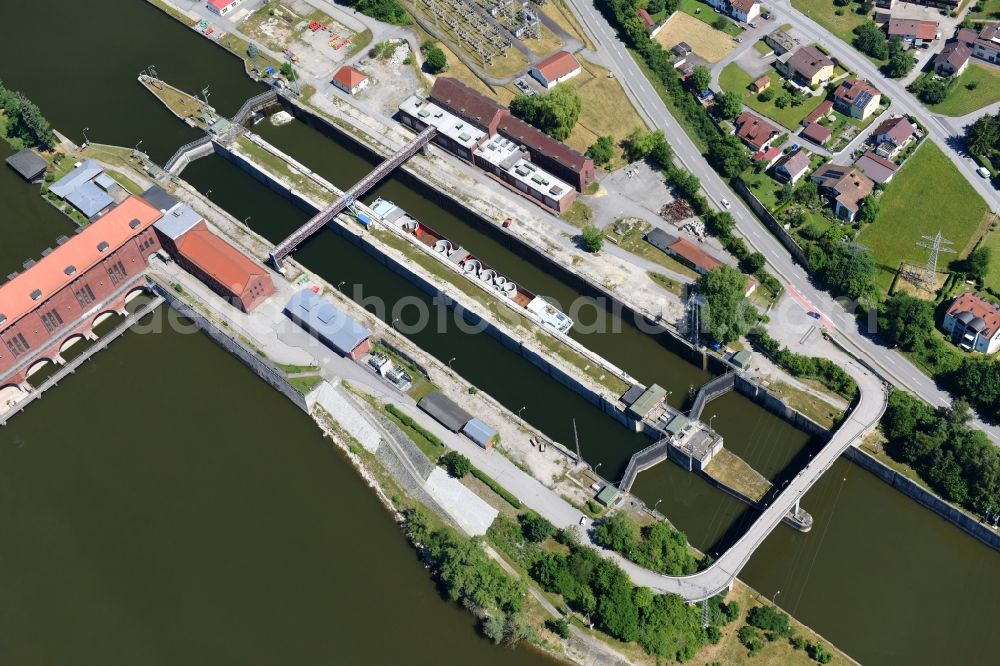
(915, 491)
(250, 358)
(777, 406)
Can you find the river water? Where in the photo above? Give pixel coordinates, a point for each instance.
(884, 579)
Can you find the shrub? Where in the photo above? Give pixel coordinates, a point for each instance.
(558, 627)
(456, 464)
(593, 238)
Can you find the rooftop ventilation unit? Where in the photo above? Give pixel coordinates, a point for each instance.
(134, 224)
(36, 294)
(102, 246)
(70, 270)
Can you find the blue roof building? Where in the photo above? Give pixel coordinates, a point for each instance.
(86, 172)
(89, 199)
(331, 326)
(480, 433)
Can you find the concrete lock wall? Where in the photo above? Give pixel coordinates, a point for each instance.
(251, 359)
(777, 406)
(915, 491)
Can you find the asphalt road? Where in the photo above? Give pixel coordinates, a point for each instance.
(835, 313)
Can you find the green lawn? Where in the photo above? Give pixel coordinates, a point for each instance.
(708, 15)
(843, 122)
(927, 195)
(822, 11)
(992, 241)
(961, 100)
(990, 11)
(761, 46)
(734, 79)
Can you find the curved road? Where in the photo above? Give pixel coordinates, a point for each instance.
(724, 570)
(836, 314)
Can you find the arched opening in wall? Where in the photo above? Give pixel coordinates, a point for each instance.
(39, 371)
(135, 293)
(10, 395)
(70, 342)
(104, 322)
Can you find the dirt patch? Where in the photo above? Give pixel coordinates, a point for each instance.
(908, 282)
(707, 42)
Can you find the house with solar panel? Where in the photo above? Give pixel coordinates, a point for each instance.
(856, 98)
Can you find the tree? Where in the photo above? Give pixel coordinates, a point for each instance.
(435, 59)
(535, 528)
(977, 264)
(905, 320)
(456, 464)
(555, 113)
(701, 78)
(726, 312)
(593, 238)
(602, 151)
(728, 105)
(869, 210)
(871, 40)
(899, 65)
(850, 271)
(754, 262)
(559, 627)
(771, 620)
(728, 156)
(766, 95)
(617, 532)
(983, 136)
(389, 11)
(930, 90)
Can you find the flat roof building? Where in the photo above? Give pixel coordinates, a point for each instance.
(481, 434)
(444, 410)
(28, 164)
(225, 270)
(455, 134)
(328, 324)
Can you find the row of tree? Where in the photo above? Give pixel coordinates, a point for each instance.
(658, 546)
(869, 38)
(387, 11)
(823, 370)
(957, 461)
(24, 120)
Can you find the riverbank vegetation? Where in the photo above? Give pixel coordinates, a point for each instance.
(955, 460)
(662, 624)
(22, 123)
(658, 546)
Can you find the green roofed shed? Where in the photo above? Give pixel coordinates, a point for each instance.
(607, 495)
(741, 359)
(650, 399)
(677, 424)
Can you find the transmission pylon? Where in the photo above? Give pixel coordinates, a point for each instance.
(936, 245)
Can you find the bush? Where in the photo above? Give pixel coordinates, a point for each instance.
(602, 151)
(535, 528)
(434, 58)
(496, 487)
(456, 464)
(558, 627)
(388, 11)
(593, 238)
(751, 639)
(770, 620)
(766, 95)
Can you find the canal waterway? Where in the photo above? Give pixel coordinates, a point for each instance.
(886, 580)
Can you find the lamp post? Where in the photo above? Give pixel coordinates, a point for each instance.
(450, 361)
(657, 503)
(598, 467)
(340, 283)
(209, 191)
(247, 221)
(711, 420)
(393, 323)
(775, 596)
(521, 410)
(137, 145)
(85, 139)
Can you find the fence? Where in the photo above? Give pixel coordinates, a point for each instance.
(254, 104)
(713, 389)
(649, 456)
(182, 152)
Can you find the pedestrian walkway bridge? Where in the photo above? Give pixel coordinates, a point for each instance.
(653, 454)
(322, 218)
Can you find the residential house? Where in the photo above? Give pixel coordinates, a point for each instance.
(792, 167)
(892, 136)
(947, 5)
(974, 323)
(953, 59)
(780, 41)
(987, 44)
(807, 65)
(846, 187)
(816, 133)
(681, 49)
(856, 98)
(760, 85)
(350, 80)
(913, 32)
(558, 67)
(967, 36)
(876, 167)
(744, 10)
(754, 131)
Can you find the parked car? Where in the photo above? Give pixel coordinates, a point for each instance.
(726, 204)
(984, 172)
(753, 25)
(583, 520)
(715, 346)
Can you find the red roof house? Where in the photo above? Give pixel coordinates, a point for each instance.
(755, 132)
(349, 80)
